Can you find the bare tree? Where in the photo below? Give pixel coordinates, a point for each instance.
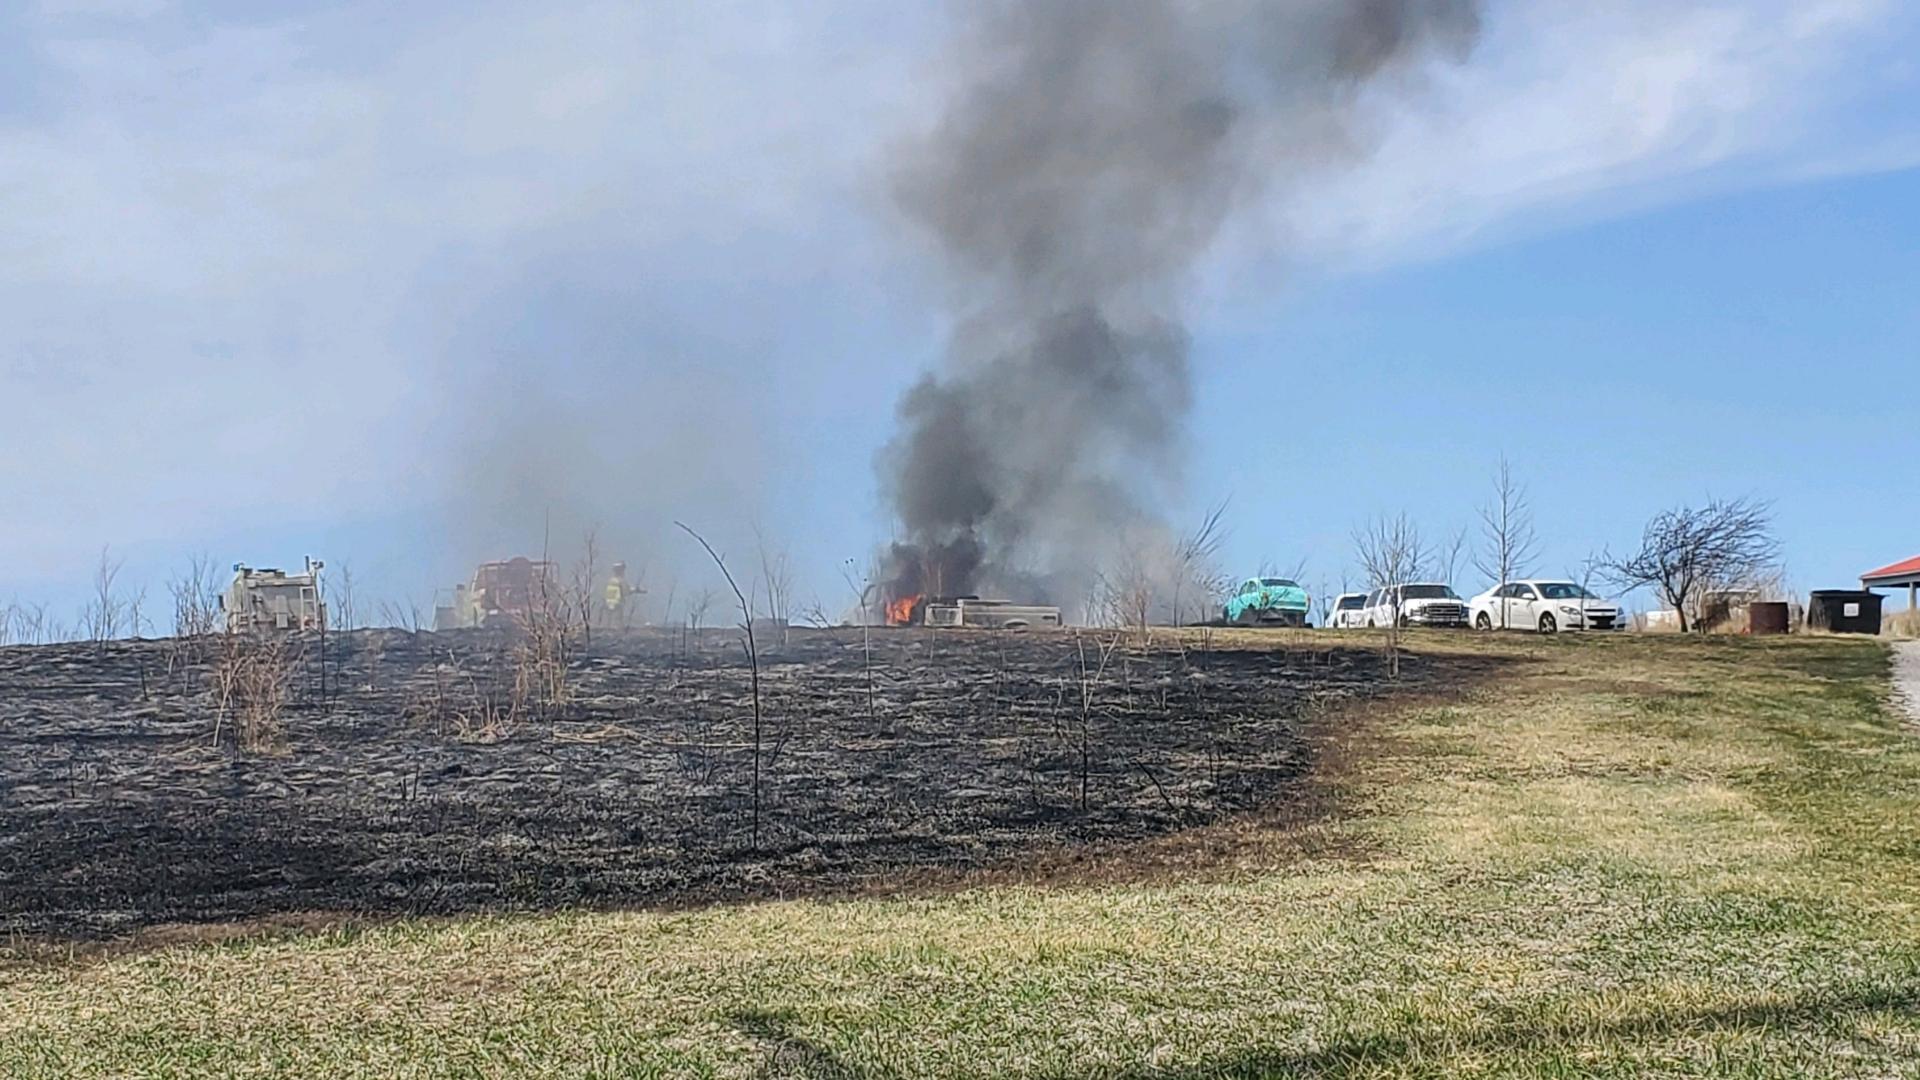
(196, 598)
(1446, 556)
(1508, 544)
(776, 577)
(697, 607)
(1125, 592)
(1686, 551)
(26, 624)
(104, 613)
(1392, 553)
(583, 598)
(753, 661)
(672, 596)
(863, 594)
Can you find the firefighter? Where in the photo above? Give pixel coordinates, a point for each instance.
(617, 595)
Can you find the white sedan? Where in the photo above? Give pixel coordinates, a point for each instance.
(1546, 606)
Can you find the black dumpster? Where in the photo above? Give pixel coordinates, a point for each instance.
(1844, 611)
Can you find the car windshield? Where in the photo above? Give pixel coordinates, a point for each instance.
(1428, 592)
(1277, 583)
(1564, 590)
(1347, 603)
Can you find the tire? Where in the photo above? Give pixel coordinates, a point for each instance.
(1369, 624)
(1548, 625)
(1404, 623)
(1483, 621)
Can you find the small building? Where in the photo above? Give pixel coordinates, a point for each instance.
(269, 600)
(1905, 572)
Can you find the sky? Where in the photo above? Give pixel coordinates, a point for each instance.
(373, 282)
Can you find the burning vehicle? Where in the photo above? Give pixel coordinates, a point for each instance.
(971, 611)
(934, 585)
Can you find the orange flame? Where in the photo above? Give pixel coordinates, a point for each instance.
(900, 612)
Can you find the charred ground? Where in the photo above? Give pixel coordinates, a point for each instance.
(119, 810)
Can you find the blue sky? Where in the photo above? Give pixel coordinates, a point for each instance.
(367, 284)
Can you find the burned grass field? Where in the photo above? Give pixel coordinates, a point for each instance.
(406, 776)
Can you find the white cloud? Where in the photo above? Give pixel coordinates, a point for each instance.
(1574, 111)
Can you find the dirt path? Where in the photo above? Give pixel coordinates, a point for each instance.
(1906, 677)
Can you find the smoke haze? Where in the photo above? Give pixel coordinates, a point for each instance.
(1085, 160)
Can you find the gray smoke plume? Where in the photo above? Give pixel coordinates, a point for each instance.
(1089, 155)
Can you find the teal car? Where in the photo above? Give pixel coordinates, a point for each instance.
(1267, 600)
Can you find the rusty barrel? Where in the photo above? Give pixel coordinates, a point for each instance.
(1767, 617)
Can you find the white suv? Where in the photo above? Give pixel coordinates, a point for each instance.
(1349, 610)
(1418, 604)
(1546, 606)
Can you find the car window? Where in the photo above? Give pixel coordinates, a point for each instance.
(1560, 590)
(1277, 583)
(1429, 592)
(1373, 598)
(1524, 592)
(1349, 603)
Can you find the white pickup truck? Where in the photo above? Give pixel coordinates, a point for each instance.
(1426, 603)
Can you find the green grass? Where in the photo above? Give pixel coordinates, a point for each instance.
(1635, 856)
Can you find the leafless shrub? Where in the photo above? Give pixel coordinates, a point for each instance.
(137, 624)
(104, 614)
(1089, 678)
(340, 600)
(776, 576)
(814, 614)
(863, 595)
(1124, 592)
(195, 592)
(582, 598)
(1685, 552)
(253, 683)
(471, 708)
(402, 614)
(698, 605)
(544, 649)
(27, 624)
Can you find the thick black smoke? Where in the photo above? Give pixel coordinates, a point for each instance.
(1087, 158)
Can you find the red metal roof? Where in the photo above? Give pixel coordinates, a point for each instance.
(1904, 568)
